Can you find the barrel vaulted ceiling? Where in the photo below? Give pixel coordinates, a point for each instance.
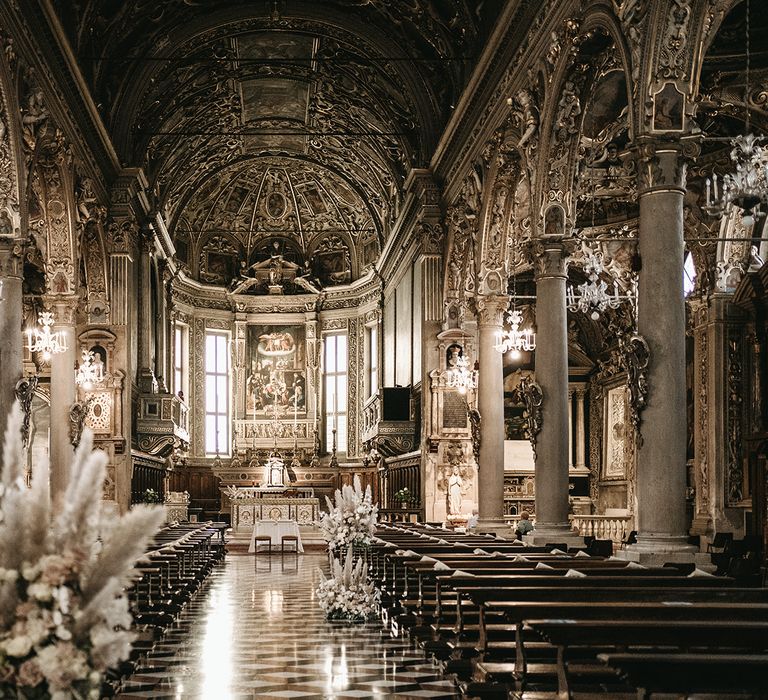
(222, 96)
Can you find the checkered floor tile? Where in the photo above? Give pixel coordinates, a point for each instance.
(255, 631)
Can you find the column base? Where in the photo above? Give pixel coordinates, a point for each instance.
(657, 550)
(554, 533)
(500, 528)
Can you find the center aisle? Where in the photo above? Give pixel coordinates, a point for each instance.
(254, 630)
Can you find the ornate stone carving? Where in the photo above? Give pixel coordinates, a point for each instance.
(672, 61)
(529, 393)
(734, 464)
(475, 421)
(77, 415)
(702, 429)
(25, 392)
(635, 358)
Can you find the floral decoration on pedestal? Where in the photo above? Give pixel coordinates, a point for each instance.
(352, 521)
(64, 616)
(349, 526)
(348, 594)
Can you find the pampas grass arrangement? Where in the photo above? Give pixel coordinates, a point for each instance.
(348, 594)
(64, 616)
(351, 522)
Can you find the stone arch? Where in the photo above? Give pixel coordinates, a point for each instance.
(491, 255)
(573, 77)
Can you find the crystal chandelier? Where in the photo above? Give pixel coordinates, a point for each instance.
(593, 296)
(460, 377)
(89, 372)
(747, 187)
(44, 340)
(515, 340)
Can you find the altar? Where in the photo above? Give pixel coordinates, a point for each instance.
(251, 504)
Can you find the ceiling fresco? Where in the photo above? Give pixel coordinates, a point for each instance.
(192, 90)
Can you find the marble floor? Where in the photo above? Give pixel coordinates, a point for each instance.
(254, 630)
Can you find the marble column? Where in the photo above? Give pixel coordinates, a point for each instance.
(551, 364)
(490, 404)
(661, 460)
(11, 338)
(147, 380)
(62, 394)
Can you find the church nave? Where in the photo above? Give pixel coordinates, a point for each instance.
(254, 630)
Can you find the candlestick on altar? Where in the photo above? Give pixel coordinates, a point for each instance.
(334, 460)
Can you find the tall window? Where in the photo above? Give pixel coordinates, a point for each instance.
(216, 393)
(373, 359)
(335, 363)
(180, 360)
(689, 275)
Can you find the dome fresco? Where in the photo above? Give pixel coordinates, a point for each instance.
(303, 212)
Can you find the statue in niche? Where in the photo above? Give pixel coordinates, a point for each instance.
(455, 485)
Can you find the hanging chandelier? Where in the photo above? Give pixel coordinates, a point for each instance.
(747, 187)
(44, 340)
(89, 372)
(593, 296)
(460, 377)
(515, 340)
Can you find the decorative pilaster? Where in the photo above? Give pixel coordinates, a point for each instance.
(147, 380)
(11, 342)
(490, 404)
(570, 429)
(661, 460)
(580, 462)
(552, 449)
(62, 394)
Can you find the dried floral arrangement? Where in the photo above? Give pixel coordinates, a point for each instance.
(351, 522)
(348, 594)
(64, 615)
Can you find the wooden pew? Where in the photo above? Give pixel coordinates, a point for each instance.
(721, 674)
(713, 635)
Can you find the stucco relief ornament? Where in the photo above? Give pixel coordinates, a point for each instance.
(635, 357)
(533, 398)
(25, 392)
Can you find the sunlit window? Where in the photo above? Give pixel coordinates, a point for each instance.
(335, 366)
(689, 275)
(216, 393)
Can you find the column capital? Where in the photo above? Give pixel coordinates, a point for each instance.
(490, 309)
(661, 163)
(11, 256)
(63, 308)
(549, 256)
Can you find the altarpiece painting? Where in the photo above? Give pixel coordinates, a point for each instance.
(277, 378)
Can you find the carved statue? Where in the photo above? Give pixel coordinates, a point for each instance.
(529, 118)
(532, 396)
(635, 357)
(455, 484)
(77, 415)
(33, 117)
(568, 110)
